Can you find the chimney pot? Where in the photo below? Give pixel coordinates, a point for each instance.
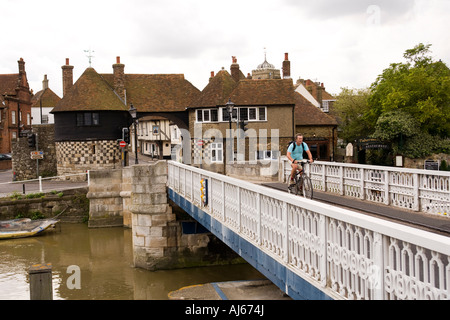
(286, 56)
(67, 61)
(117, 59)
(212, 74)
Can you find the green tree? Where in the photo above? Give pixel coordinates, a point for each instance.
(350, 109)
(420, 87)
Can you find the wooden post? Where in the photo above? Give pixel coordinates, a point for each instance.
(41, 282)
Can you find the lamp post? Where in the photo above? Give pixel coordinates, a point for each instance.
(133, 113)
(230, 108)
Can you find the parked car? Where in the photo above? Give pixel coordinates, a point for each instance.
(5, 156)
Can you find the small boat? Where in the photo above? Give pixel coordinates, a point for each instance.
(20, 228)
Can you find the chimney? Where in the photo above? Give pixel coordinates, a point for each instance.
(22, 80)
(119, 78)
(67, 71)
(234, 69)
(45, 82)
(212, 76)
(21, 65)
(286, 67)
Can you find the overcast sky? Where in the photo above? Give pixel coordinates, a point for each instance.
(342, 43)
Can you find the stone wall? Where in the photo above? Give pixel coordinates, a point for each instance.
(419, 163)
(261, 171)
(26, 168)
(73, 202)
(105, 201)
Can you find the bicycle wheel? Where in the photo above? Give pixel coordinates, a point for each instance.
(307, 187)
(298, 185)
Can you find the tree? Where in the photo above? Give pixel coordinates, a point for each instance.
(350, 109)
(420, 87)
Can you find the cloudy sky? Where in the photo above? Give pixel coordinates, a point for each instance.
(342, 43)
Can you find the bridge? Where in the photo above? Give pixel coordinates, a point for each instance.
(313, 250)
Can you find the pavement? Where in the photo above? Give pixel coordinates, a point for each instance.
(422, 220)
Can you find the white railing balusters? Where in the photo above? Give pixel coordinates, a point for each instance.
(417, 190)
(346, 255)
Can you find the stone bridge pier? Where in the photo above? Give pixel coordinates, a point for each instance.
(136, 197)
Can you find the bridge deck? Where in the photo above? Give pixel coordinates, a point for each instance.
(429, 222)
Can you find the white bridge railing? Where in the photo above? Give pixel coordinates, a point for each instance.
(345, 254)
(413, 189)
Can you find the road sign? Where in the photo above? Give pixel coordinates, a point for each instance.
(35, 155)
(122, 144)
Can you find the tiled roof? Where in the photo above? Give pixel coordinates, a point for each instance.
(217, 92)
(263, 92)
(45, 98)
(90, 93)
(222, 87)
(157, 92)
(306, 114)
(8, 83)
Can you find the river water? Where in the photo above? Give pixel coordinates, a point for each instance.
(105, 260)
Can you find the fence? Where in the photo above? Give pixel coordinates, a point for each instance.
(413, 189)
(44, 184)
(345, 254)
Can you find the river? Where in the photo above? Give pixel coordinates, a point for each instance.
(105, 260)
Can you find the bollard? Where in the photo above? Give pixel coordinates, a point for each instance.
(41, 282)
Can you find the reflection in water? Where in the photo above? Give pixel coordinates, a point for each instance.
(105, 259)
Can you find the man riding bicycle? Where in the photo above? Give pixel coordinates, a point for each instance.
(295, 154)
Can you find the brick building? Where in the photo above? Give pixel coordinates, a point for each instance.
(15, 107)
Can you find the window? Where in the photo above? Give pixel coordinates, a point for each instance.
(252, 114)
(88, 119)
(28, 119)
(267, 155)
(13, 117)
(216, 152)
(262, 114)
(208, 115)
(243, 114)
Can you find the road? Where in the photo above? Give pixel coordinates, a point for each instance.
(8, 187)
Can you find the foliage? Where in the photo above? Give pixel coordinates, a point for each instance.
(350, 108)
(420, 87)
(408, 105)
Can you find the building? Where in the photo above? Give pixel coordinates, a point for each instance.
(267, 105)
(270, 103)
(318, 128)
(88, 122)
(154, 135)
(15, 107)
(90, 118)
(42, 103)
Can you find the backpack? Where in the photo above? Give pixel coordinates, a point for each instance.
(305, 155)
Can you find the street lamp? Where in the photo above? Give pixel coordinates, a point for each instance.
(230, 107)
(133, 113)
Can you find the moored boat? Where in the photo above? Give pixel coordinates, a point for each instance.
(20, 228)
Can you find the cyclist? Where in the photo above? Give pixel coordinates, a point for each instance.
(295, 155)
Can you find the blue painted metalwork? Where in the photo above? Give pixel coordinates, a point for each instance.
(282, 276)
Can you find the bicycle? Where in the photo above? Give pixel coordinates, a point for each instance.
(302, 183)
